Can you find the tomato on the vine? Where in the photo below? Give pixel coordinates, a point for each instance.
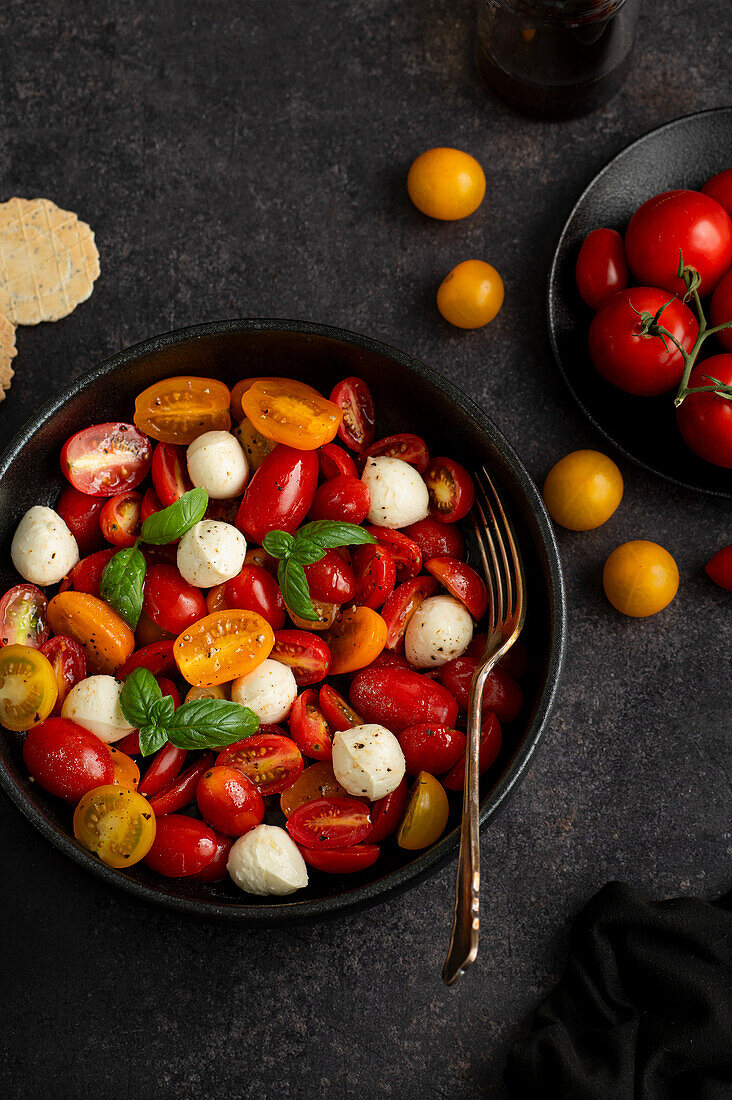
(705, 419)
(719, 187)
(720, 310)
(601, 267)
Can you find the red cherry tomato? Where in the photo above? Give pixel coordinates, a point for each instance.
(23, 618)
(641, 365)
(156, 658)
(340, 861)
(80, 513)
(397, 699)
(171, 602)
(404, 551)
(387, 813)
(105, 459)
(66, 760)
(331, 580)
(170, 473)
(181, 791)
(375, 575)
(491, 739)
(68, 661)
(182, 846)
(451, 490)
(601, 267)
(121, 518)
(215, 871)
(269, 759)
(150, 505)
(334, 461)
(357, 426)
(166, 766)
(435, 539)
(719, 187)
(720, 310)
(501, 694)
(705, 419)
(335, 822)
(679, 221)
(337, 712)
(719, 568)
(410, 448)
(168, 688)
(463, 583)
(86, 576)
(255, 589)
(279, 495)
(402, 604)
(306, 654)
(430, 748)
(228, 801)
(308, 727)
(342, 498)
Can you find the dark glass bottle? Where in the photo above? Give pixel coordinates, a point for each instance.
(555, 58)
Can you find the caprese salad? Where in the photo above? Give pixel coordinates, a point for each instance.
(231, 646)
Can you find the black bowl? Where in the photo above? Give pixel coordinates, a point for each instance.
(408, 396)
(683, 153)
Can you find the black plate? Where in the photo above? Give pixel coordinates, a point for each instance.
(408, 396)
(683, 153)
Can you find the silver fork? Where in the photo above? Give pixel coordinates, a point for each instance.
(504, 574)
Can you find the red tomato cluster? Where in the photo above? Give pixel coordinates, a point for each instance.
(697, 226)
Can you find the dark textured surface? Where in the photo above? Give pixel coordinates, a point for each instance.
(250, 160)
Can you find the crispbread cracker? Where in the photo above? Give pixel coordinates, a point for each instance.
(8, 351)
(48, 261)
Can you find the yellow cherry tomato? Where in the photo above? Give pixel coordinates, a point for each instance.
(326, 613)
(291, 412)
(126, 771)
(223, 646)
(28, 687)
(640, 578)
(471, 295)
(255, 445)
(446, 184)
(583, 490)
(117, 823)
(215, 691)
(426, 816)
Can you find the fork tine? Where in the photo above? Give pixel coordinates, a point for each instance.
(490, 568)
(503, 575)
(516, 560)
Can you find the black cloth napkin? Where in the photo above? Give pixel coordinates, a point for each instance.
(643, 1010)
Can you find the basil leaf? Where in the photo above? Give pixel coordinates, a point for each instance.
(294, 588)
(122, 583)
(173, 522)
(139, 696)
(278, 543)
(162, 711)
(210, 723)
(151, 739)
(330, 533)
(306, 551)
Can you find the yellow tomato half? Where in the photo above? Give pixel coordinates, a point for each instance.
(116, 823)
(640, 578)
(178, 410)
(290, 412)
(222, 646)
(426, 816)
(583, 490)
(446, 184)
(28, 687)
(471, 295)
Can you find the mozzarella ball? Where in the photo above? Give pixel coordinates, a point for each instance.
(43, 549)
(94, 704)
(398, 494)
(266, 860)
(210, 553)
(368, 760)
(270, 690)
(217, 463)
(441, 628)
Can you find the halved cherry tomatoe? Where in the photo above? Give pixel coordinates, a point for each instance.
(316, 781)
(116, 823)
(165, 767)
(171, 602)
(291, 412)
(402, 604)
(169, 473)
(435, 539)
(223, 646)
(106, 459)
(150, 505)
(23, 617)
(334, 461)
(181, 791)
(309, 727)
(270, 760)
(339, 714)
(68, 661)
(178, 410)
(410, 448)
(343, 498)
(255, 446)
(325, 612)
(462, 582)
(356, 429)
(156, 658)
(86, 576)
(228, 801)
(341, 861)
(126, 771)
(451, 490)
(215, 871)
(67, 760)
(279, 495)
(80, 513)
(121, 518)
(357, 636)
(387, 813)
(427, 812)
(331, 579)
(106, 638)
(307, 655)
(491, 739)
(375, 575)
(27, 687)
(334, 822)
(404, 551)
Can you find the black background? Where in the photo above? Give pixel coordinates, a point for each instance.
(249, 160)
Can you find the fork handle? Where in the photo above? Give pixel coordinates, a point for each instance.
(464, 937)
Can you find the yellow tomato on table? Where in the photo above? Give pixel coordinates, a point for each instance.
(640, 578)
(28, 687)
(583, 490)
(291, 412)
(471, 295)
(116, 823)
(446, 184)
